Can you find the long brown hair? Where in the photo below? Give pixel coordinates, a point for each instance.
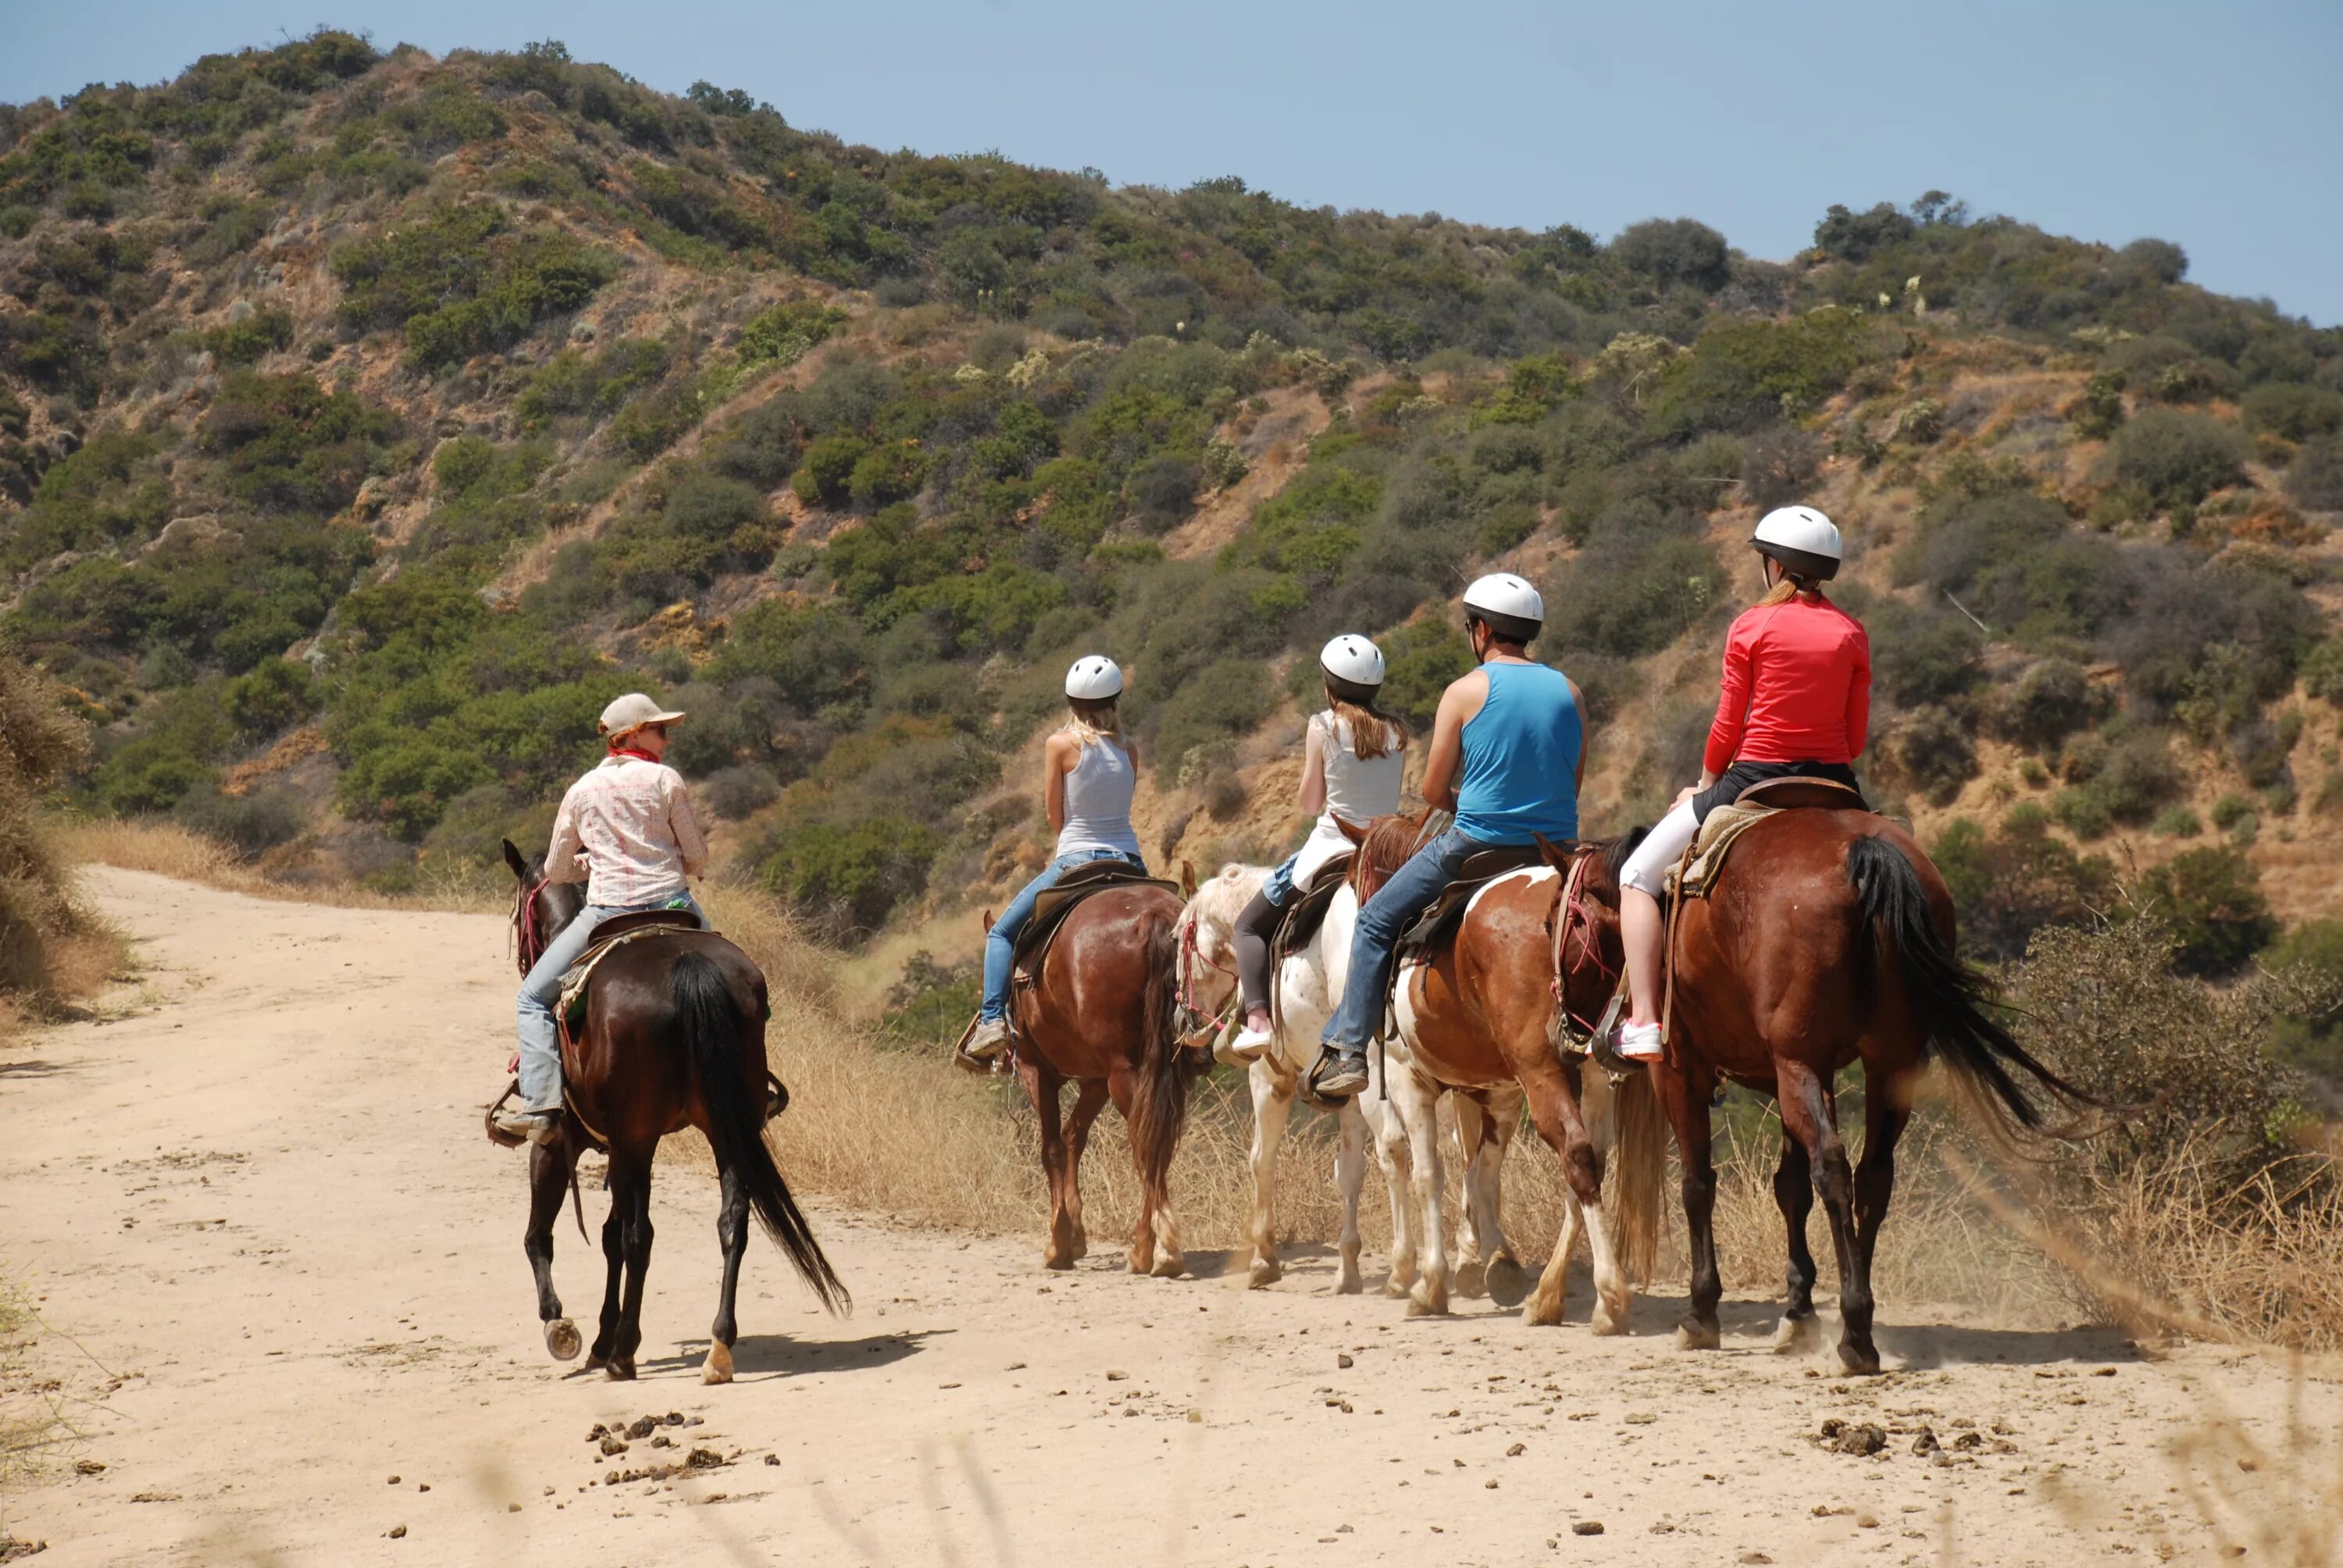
(1373, 732)
(1789, 587)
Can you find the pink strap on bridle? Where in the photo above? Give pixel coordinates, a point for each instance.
(1192, 952)
(526, 922)
(1574, 916)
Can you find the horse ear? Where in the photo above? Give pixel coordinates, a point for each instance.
(1559, 858)
(987, 919)
(518, 863)
(1187, 879)
(1353, 831)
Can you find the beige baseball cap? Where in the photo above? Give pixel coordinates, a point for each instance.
(631, 712)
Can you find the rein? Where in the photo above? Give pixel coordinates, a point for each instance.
(1573, 918)
(1191, 953)
(529, 925)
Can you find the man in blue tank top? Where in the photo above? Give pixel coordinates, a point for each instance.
(1508, 751)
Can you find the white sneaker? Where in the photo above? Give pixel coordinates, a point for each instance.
(990, 1038)
(1251, 1044)
(1639, 1043)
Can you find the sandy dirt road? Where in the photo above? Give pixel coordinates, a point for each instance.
(261, 1207)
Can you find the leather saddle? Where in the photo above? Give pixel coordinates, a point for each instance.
(614, 932)
(1723, 827)
(1434, 927)
(1056, 902)
(1308, 912)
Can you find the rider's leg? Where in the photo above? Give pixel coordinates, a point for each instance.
(1381, 924)
(999, 956)
(1642, 929)
(1254, 928)
(540, 1041)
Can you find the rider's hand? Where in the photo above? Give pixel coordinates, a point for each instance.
(514, 1065)
(1683, 795)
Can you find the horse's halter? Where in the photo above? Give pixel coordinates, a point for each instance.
(1574, 918)
(529, 925)
(1191, 953)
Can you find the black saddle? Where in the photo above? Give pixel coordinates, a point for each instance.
(1057, 901)
(1434, 927)
(1308, 912)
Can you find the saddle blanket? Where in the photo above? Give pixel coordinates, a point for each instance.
(1717, 836)
(571, 1008)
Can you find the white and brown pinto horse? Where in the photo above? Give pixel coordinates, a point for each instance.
(1477, 1021)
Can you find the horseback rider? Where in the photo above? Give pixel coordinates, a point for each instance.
(1508, 753)
(1352, 754)
(1088, 776)
(626, 830)
(1795, 702)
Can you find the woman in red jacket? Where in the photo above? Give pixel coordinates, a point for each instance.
(1796, 702)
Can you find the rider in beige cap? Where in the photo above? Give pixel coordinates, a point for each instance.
(625, 829)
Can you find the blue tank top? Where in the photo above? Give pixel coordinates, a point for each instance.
(1520, 758)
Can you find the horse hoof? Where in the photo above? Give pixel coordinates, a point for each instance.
(1698, 1337)
(1508, 1283)
(596, 1361)
(1861, 1360)
(1424, 1304)
(562, 1340)
(1395, 1286)
(719, 1366)
(1541, 1314)
(1350, 1285)
(619, 1372)
(1608, 1321)
(1796, 1336)
(1170, 1267)
(1471, 1279)
(1263, 1272)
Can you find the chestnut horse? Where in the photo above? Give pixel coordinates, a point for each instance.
(1104, 1014)
(674, 1037)
(1479, 1018)
(1828, 939)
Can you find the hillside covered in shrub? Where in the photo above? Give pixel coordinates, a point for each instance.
(367, 419)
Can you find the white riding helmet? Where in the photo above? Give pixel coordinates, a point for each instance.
(1094, 678)
(1352, 658)
(1507, 603)
(631, 712)
(1805, 541)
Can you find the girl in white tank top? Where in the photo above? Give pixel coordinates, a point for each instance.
(1353, 756)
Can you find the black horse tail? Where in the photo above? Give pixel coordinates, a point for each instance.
(1949, 998)
(1158, 1111)
(713, 1034)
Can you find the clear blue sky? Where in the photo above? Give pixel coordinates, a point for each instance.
(2219, 126)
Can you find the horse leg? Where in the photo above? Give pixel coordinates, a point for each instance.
(1800, 1330)
(631, 1190)
(1810, 1113)
(1555, 1111)
(1090, 1098)
(732, 1238)
(1350, 1177)
(1142, 1236)
(1418, 1103)
(614, 1256)
(1683, 1096)
(1273, 1104)
(1042, 1086)
(1392, 1151)
(549, 1183)
(1887, 1109)
(1468, 1272)
(1504, 1278)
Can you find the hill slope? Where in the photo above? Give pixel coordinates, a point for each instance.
(365, 419)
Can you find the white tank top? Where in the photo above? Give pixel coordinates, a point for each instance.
(1098, 788)
(1357, 790)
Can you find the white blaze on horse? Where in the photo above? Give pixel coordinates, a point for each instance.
(1308, 984)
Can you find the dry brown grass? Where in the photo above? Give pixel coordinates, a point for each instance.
(168, 849)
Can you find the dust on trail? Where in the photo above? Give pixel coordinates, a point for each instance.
(264, 1209)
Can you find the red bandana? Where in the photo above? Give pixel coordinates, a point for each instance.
(640, 756)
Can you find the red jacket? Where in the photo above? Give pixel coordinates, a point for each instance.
(1797, 688)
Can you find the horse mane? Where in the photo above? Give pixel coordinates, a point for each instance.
(1389, 842)
(1615, 852)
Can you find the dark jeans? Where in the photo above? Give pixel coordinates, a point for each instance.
(1380, 925)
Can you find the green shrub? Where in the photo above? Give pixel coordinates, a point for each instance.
(1420, 660)
(251, 824)
(2177, 822)
(812, 654)
(2295, 412)
(1748, 374)
(1931, 749)
(461, 282)
(1856, 236)
(2315, 478)
(2049, 700)
(2212, 899)
(1920, 657)
(788, 332)
(826, 477)
(886, 474)
(270, 699)
(847, 879)
(262, 332)
(2016, 881)
(1671, 251)
(2099, 413)
(1779, 466)
(2178, 458)
(1225, 700)
(1630, 596)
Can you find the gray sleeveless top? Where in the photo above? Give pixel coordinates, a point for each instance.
(1098, 801)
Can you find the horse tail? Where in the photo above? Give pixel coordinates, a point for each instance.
(1158, 1111)
(1639, 1158)
(713, 1033)
(1948, 998)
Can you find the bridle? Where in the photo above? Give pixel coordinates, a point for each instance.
(1574, 918)
(1191, 953)
(528, 926)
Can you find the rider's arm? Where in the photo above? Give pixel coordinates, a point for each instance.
(564, 858)
(690, 841)
(1858, 696)
(1312, 797)
(1058, 759)
(1458, 704)
(1585, 733)
(1732, 703)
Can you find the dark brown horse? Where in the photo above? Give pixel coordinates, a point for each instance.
(1535, 949)
(1104, 1014)
(674, 1037)
(1827, 941)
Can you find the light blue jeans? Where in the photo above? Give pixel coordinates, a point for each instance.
(1000, 941)
(1380, 925)
(540, 1039)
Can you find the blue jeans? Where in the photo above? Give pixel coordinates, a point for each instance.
(1380, 925)
(540, 1039)
(1000, 941)
(1278, 885)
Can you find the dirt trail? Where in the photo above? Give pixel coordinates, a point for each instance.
(262, 1208)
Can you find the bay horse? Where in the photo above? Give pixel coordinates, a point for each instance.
(1479, 1019)
(674, 1037)
(1104, 1014)
(1309, 985)
(1829, 938)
